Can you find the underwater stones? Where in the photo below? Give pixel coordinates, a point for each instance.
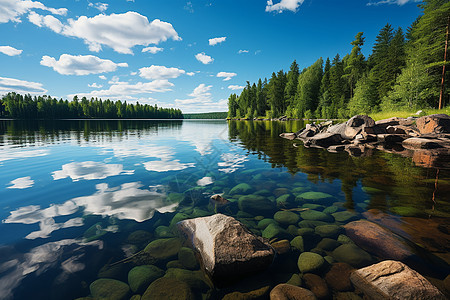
(353, 255)
(274, 230)
(256, 205)
(163, 248)
(297, 190)
(328, 231)
(226, 247)
(305, 231)
(281, 247)
(338, 277)
(317, 207)
(331, 209)
(194, 279)
(265, 222)
(295, 280)
(407, 211)
(314, 215)
(317, 285)
(345, 216)
(310, 262)
(394, 280)
(260, 293)
(264, 192)
(94, 232)
(109, 289)
(315, 196)
(163, 232)
(343, 239)
(187, 258)
(328, 244)
(378, 240)
(140, 277)
(310, 224)
(177, 218)
(284, 200)
(174, 197)
(286, 217)
(287, 292)
(168, 288)
(242, 188)
(298, 243)
(139, 237)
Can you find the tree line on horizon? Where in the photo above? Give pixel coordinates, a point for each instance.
(18, 106)
(404, 71)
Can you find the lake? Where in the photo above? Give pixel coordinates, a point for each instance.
(79, 197)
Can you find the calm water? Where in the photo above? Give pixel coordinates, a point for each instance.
(79, 196)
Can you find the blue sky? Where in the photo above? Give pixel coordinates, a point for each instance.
(185, 54)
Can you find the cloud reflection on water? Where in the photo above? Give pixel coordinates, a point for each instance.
(21, 183)
(231, 162)
(89, 170)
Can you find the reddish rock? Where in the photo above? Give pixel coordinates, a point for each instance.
(394, 280)
(439, 123)
(338, 277)
(317, 285)
(291, 292)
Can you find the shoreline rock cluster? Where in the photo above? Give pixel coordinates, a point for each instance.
(425, 139)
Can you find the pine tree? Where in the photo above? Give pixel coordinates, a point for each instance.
(292, 82)
(355, 63)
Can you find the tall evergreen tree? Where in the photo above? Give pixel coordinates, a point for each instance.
(355, 63)
(292, 82)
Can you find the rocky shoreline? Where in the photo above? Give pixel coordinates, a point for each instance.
(425, 139)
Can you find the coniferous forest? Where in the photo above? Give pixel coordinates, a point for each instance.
(405, 71)
(19, 106)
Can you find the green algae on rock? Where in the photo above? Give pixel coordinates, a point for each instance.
(286, 217)
(112, 289)
(140, 277)
(310, 262)
(163, 248)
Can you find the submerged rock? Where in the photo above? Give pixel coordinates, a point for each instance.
(353, 255)
(226, 247)
(394, 280)
(109, 289)
(286, 217)
(314, 215)
(274, 230)
(256, 205)
(260, 293)
(163, 248)
(140, 277)
(241, 189)
(287, 292)
(338, 277)
(317, 285)
(310, 262)
(328, 231)
(168, 288)
(194, 279)
(187, 258)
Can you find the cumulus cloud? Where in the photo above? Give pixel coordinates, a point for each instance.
(203, 58)
(398, 2)
(124, 90)
(21, 183)
(80, 64)
(160, 72)
(120, 31)
(291, 5)
(95, 85)
(100, 6)
(190, 73)
(46, 21)
(218, 40)
(226, 75)
(103, 77)
(152, 50)
(242, 51)
(10, 51)
(89, 170)
(201, 101)
(20, 86)
(236, 87)
(12, 10)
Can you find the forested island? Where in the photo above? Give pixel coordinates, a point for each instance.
(210, 115)
(405, 71)
(18, 106)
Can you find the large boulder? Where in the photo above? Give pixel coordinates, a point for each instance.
(226, 247)
(356, 124)
(439, 123)
(324, 140)
(394, 280)
(421, 143)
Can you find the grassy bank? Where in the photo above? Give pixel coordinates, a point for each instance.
(407, 113)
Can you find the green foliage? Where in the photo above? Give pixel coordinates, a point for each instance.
(210, 115)
(45, 107)
(365, 97)
(308, 89)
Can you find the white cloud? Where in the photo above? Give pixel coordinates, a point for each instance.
(242, 51)
(120, 31)
(398, 2)
(160, 72)
(20, 86)
(80, 64)
(201, 101)
(124, 90)
(89, 170)
(100, 6)
(103, 77)
(291, 5)
(215, 41)
(203, 58)
(95, 85)
(226, 75)
(236, 87)
(11, 51)
(46, 21)
(152, 50)
(12, 10)
(21, 183)
(190, 73)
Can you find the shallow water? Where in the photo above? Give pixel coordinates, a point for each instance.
(79, 196)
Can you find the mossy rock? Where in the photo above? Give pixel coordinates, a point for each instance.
(299, 190)
(331, 209)
(343, 239)
(177, 218)
(345, 216)
(284, 200)
(295, 280)
(261, 293)
(311, 224)
(110, 289)
(168, 288)
(163, 232)
(306, 231)
(114, 272)
(140, 277)
(163, 248)
(139, 237)
(280, 191)
(198, 213)
(328, 244)
(317, 207)
(286, 217)
(256, 205)
(309, 262)
(243, 215)
(242, 188)
(273, 231)
(175, 264)
(328, 231)
(259, 218)
(187, 258)
(266, 222)
(265, 193)
(194, 279)
(293, 230)
(136, 297)
(371, 190)
(353, 255)
(314, 215)
(94, 232)
(175, 197)
(407, 211)
(315, 196)
(298, 243)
